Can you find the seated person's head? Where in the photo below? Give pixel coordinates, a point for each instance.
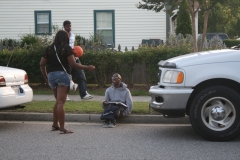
(116, 80)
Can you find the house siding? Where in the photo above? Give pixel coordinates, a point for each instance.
(131, 24)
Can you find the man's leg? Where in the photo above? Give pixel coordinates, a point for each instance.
(105, 123)
(81, 80)
(120, 114)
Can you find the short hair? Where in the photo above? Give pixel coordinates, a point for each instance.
(66, 22)
(61, 38)
(118, 75)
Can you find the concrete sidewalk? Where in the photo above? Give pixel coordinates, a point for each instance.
(90, 118)
(95, 98)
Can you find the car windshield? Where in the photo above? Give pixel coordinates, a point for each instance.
(222, 36)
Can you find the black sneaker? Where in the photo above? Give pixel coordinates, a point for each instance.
(112, 124)
(105, 124)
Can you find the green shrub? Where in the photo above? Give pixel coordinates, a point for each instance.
(107, 62)
(92, 40)
(8, 42)
(78, 38)
(152, 55)
(26, 59)
(29, 39)
(231, 42)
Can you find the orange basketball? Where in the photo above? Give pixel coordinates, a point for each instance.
(78, 51)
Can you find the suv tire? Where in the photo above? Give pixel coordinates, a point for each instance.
(215, 113)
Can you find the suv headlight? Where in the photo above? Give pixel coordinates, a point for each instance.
(173, 77)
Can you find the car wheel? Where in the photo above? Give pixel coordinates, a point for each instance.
(214, 113)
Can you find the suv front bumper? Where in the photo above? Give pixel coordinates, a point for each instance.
(170, 101)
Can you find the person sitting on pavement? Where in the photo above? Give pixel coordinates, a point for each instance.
(116, 94)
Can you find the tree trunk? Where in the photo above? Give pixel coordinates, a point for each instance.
(195, 48)
(206, 14)
(192, 12)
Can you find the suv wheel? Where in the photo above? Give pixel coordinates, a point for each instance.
(215, 113)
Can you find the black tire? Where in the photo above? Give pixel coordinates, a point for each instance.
(214, 113)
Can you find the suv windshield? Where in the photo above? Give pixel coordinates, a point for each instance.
(222, 36)
(209, 36)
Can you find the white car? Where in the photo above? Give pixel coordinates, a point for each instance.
(14, 88)
(204, 86)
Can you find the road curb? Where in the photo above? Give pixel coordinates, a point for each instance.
(95, 118)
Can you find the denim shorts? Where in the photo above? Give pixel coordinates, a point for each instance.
(58, 78)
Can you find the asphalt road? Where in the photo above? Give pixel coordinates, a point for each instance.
(35, 141)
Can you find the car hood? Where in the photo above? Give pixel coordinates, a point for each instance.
(213, 56)
(12, 76)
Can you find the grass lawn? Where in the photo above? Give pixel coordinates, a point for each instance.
(80, 107)
(83, 107)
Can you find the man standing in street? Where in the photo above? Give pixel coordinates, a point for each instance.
(79, 74)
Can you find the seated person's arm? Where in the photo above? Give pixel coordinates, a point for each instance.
(129, 103)
(105, 102)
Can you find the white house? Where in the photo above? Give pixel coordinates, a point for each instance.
(116, 21)
(173, 22)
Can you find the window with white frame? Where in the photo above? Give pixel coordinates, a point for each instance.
(42, 22)
(104, 25)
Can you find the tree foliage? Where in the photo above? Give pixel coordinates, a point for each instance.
(183, 20)
(207, 7)
(158, 5)
(223, 14)
(223, 18)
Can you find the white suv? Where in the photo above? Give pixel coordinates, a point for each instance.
(14, 88)
(206, 87)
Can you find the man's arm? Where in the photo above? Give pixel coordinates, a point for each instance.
(129, 103)
(107, 99)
